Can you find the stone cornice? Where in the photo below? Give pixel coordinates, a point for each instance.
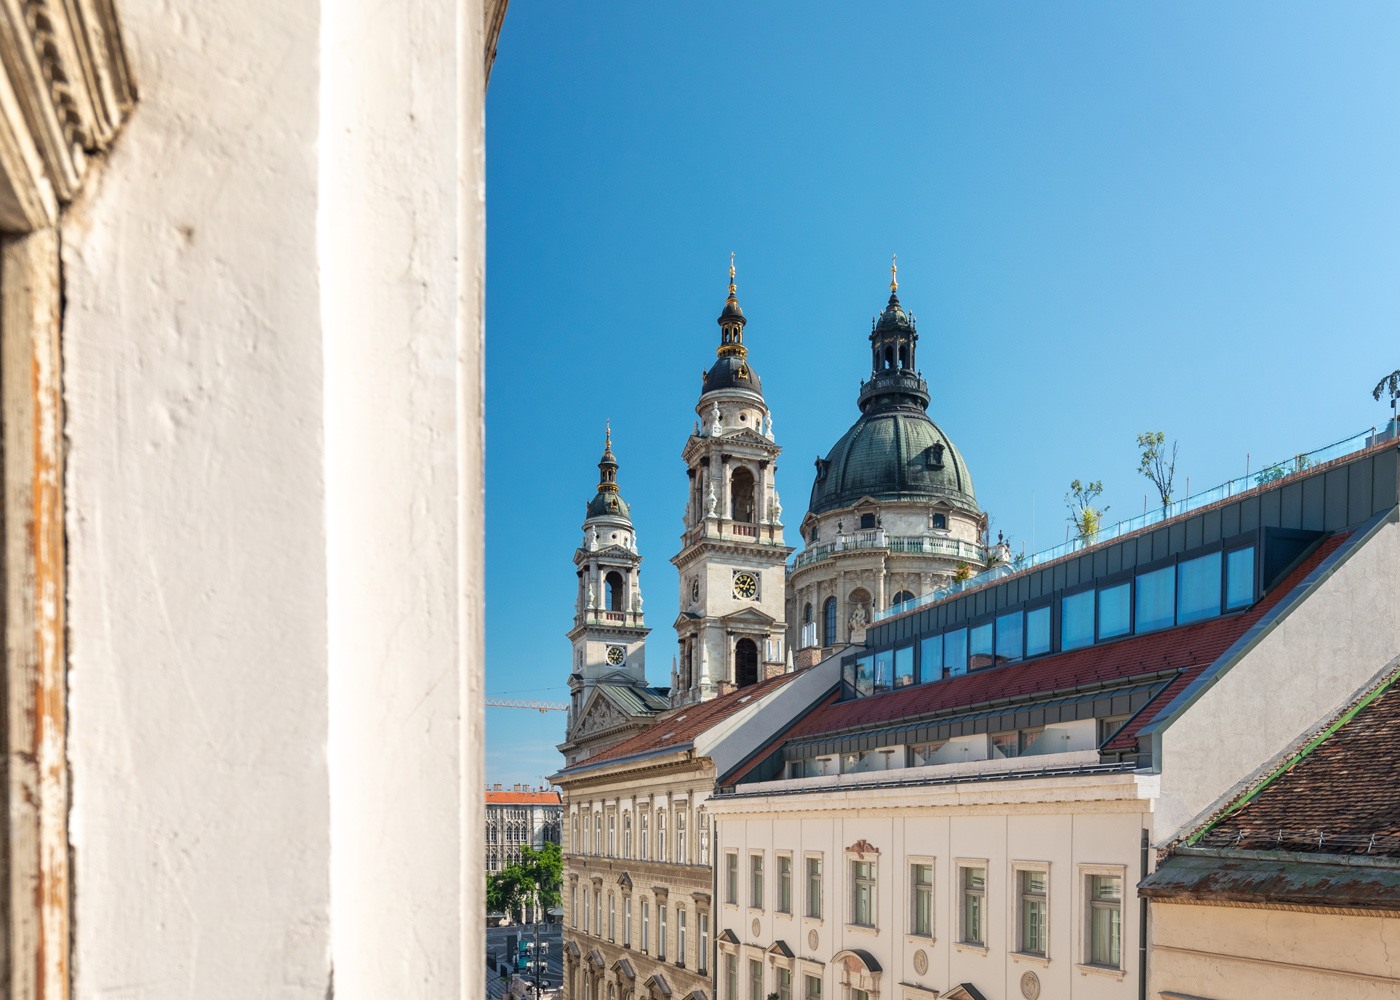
(65, 91)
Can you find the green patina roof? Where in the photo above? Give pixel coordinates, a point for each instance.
(894, 454)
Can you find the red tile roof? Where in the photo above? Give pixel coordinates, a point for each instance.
(682, 725)
(494, 798)
(1339, 797)
(1188, 648)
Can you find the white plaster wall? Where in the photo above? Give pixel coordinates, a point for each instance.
(271, 341)
(1317, 659)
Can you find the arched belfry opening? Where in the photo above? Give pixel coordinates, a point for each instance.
(613, 588)
(745, 663)
(741, 491)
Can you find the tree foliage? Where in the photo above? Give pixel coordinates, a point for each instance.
(1389, 385)
(1157, 463)
(1084, 512)
(536, 879)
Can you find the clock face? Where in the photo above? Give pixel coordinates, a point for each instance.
(617, 655)
(694, 589)
(745, 586)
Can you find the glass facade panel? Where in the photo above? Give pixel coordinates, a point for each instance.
(1038, 631)
(979, 647)
(904, 666)
(1156, 599)
(865, 676)
(931, 658)
(1077, 620)
(955, 652)
(1239, 579)
(884, 671)
(1010, 637)
(1115, 603)
(1198, 588)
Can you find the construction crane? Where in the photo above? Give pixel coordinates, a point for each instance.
(539, 706)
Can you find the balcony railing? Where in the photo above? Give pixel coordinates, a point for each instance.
(930, 545)
(1266, 476)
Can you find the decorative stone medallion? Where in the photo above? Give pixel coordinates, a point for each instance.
(757, 927)
(1030, 986)
(813, 940)
(920, 961)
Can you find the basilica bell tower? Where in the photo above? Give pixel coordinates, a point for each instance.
(731, 628)
(609, 631)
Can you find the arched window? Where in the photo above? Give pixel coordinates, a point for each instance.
(867, 521)
(741, 499)
(904, 355)
(901, 597)
(612, 584)
(807, 613)
(889, 358)
(745, 662)
(829, 622)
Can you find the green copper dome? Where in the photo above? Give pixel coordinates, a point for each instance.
(608, 502)
(893, 455)
(894, 451)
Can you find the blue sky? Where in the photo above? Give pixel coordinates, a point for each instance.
(1109, 218)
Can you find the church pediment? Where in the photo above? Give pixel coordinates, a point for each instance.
(750, 617)
(600, 713)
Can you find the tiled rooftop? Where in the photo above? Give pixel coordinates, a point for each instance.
(494, 798)
(680, 726)
(1339, 797)
(1189, 649)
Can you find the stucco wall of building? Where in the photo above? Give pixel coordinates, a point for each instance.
(273, 400)
(1237, 953)
(1317, 658)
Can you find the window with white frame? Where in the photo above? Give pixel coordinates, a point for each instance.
(784, 902)
(702, 960)
(1032, 910)
(646, 927)
(573, 907)
(784, 983)
(731, 978)
(627, 834)
(645, 835)
(863, 881)
(585, 911)
(812, 987)
(681, 856)
(921, 898)
(756, 881)
(814, 886)
(612, 835)
(702, 832)
(755, 980)
(661, 843)
(612, 917)
(626, 921)
(661, 931)
(574, 844)
(1103, 937)
(597, 833)
(598, 912)
(731, 877)
(680, 935)
(972, 890)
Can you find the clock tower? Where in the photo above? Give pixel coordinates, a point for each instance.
(609, 631)
(732, 560)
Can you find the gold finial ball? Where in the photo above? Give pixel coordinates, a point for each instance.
(894, 273)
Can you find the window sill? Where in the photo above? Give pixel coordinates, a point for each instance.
(1107, 972)
(1025, 956)
(814, 921)
(922, 940)
(863, 929)
(971, 947)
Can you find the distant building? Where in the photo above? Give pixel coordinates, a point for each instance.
(1293, 889)
(892, 512)
(518, 817)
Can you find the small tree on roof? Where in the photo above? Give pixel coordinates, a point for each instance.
(1157, 464)
(1084, 512)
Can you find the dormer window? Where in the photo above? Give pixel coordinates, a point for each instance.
(938, 522)
(867, 522)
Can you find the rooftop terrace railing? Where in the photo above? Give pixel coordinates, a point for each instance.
(1299, 463)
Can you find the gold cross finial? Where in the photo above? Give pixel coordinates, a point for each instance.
(894, 274)
(731, 272)
(607, 434)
